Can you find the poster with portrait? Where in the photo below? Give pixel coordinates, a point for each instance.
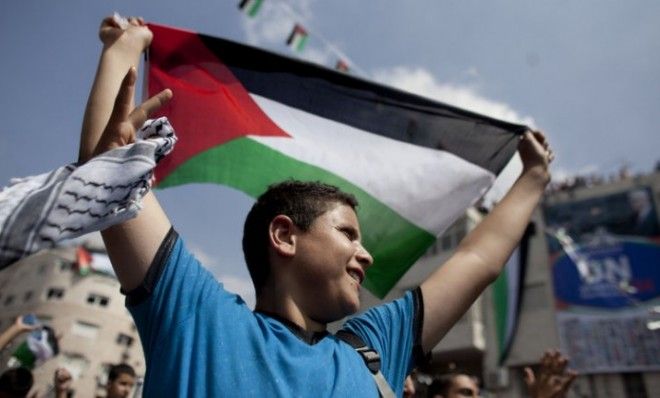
(605, 258)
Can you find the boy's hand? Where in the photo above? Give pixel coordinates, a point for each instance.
(536, 156)
(132, 31)
(124, 121)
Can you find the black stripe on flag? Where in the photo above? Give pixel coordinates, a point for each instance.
(482, 140)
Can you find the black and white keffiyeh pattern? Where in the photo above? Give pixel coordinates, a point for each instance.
(39, 211)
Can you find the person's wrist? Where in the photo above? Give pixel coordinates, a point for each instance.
(538, 175)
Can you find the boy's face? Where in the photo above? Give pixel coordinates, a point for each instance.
(121, 386)
(330, 265)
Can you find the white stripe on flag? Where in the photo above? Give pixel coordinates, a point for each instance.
(428, 187)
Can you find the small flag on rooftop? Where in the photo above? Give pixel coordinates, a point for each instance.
(342, 66)
(250, 7)
(83, 261)
(298, 38)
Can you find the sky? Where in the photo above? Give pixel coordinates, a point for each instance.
(585, 72)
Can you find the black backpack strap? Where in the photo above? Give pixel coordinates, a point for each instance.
(371, 359)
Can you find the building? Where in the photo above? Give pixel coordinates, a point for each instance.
(86, 310)
(471, 344)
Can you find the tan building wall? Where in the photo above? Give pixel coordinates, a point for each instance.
(88, 311)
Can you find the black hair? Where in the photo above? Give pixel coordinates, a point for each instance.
(16, 382)
(118, 370)
(442, 384)
(302, 201)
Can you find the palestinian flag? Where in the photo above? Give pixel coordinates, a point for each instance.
(342, 66)
(250, 7)
(40, 345)
(507, 293)
(297, 38)
(83, 261)
(248, 118)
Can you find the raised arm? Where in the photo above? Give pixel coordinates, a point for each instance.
(450, 291)
(15, 329)
(133, 244)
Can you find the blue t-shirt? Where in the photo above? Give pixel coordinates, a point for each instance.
(201, 341)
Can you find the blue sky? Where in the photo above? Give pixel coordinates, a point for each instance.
(586, 72)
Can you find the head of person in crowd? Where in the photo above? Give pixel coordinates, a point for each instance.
(121, 380)
(15, 382)
(454, 385)
(303, 238)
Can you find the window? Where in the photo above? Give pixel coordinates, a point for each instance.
(9, 299)
(460, 233)
(98, 299)
(634, 385)
(125, 340)
(85, 329)
(65, 265)
(75, 363)
(55, 293)
(446, 242)
(27, 296)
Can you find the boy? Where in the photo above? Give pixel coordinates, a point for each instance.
(303, 248)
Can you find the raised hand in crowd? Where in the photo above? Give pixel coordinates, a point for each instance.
(62, 380)
(553, 378)
(18, 327)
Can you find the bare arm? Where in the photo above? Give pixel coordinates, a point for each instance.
(450, 291)
(15, 329)
(133, 244)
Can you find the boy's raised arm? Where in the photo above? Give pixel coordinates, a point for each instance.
(450, 291)
(133, 244)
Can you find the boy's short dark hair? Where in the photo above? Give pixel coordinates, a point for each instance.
(302, 201)
(118, 370)
(442, 383)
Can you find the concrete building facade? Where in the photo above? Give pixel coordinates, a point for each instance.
(88, 313)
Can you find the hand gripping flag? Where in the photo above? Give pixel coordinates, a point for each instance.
(248, 118)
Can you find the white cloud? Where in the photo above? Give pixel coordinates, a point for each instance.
(241, 286)
(561, 174)
(420, 81)
(275, 20)
(233, 283)
(274, 23)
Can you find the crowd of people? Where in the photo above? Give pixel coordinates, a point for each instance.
(302, 244)
(18, 381)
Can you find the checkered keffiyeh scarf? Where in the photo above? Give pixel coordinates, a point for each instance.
(39, 211)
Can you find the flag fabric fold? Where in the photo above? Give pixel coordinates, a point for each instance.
(507, 295)
(248, 118)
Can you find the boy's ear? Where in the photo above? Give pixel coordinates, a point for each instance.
(282, 235)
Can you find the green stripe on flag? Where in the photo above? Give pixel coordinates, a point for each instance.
(251, 7)
(500, 302)
(249, 166)
(300, 42)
